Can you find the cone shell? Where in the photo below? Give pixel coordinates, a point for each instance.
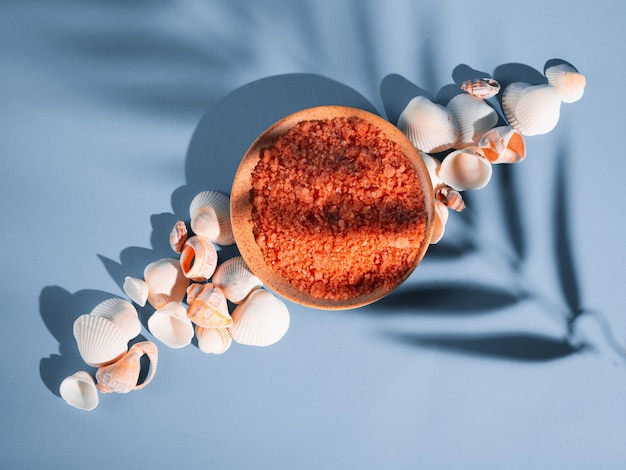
(430, 127)
(568, 81)
(122, 376)
(235, 279)
(207, 306)
(210, 217)
(99, 341)
(465, 169)
(503, 144)
(473, 116)
(122, 313)
(171, 326)
(213, 340)
(260, 320)
(136, 289)
(482, 88)
(178, 236)
(531, 109)
(79, 390)
(441, 218)
(198, 258)
(166, 282)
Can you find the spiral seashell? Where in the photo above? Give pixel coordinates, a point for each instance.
(439, 225)
(473, 116)
(122, 314)
(207, 306)
(568, 81)
(178, 236)
(503, 144)
(122, 376)
(171, 326)
(79, 390)
(210, 217)
(213, 340)
(482, 88)
(99, 341)
(465, 169)
(136, 289)
(531, 109)
(198, 258)
(429, 126)
(235, 279)
(166, 282)
(260, 320)
(451, 198)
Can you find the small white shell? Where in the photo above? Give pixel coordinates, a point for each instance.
(473, 116)
(79, 390)
(503, 144)
(429, 126)
(210, 217)
(260, 320)
(99, 341)
(465, 169)
(482, 88)
(198, 258)
(136, 289)
(432, 165)
(122, 313)
(213, 340)
(166, 282)
(207, 306)
(568, 81)
(178, 236)
(235, 279)
(123, 375)
(531, 109)
(171, 326)
(441, 218)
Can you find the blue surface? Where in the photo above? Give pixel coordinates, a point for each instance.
(505, 348)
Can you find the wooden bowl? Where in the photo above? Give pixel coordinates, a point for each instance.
(242, 206)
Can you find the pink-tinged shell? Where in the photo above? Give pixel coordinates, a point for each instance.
(136, 289)
(465, 169)
(441, 218)
(473, 116)
(122, 313)
(568, 81)
(451, 198)
(178, 236)
(429, 126)
(213, 340)
(166, 282)
(79, 390)
(171, 326)
(198, 258)
(207, 306)
(432, 165)
(122, 376)
(531, 109)
(235, 279)
(260, 320)
(99, 341)
(210, 217)
(482, 88)
(503, 144)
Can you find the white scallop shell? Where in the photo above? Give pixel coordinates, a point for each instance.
(166, 282)
(531, 109)
(122, 313)
(207, 306)
(568, 81)
(482, 88)
(429, 126)
(235, 279)
(503, 144)
(210, 217)
(136, 289)
(441, 218)
(171, 326)
(79, 390)
(99, 341)
(260, 320)
(473, 116)
(213, 340)
(465, 169)
(198, 258)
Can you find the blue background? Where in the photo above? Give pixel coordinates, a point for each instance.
(505, 348)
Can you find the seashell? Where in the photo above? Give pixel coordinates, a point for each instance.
(99, 341)
(136, 289)
(178, 236)
(531, 109)
(503, 144)
(482, 88)
(429, 126)
(207, 306)
(432, 165)
(439, 225)
(568, 81)
(210, 217)
(122, 376)
(198, 258)
(79, 390)
(235, 279)
(260, 320)
(473, 116)
(166, 282)
(213, 340)
(171, 326)
(121, 313)
(451, 198)
(465, 169)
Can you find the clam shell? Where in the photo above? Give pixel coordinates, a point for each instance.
(531, 109)
(171, 326)
(210, 217)
(136, 289)
(79, 390)
(198, 258)
(122, 376)
(178, 236)
(432, 165)
(207, 306)
(503, 144)
(122, 313)
(213, 340)
(166, 282)
(99, 341)
(429, 126)
(235, 279)
(482, 88)
(473, 116)
(441, 218)
(568, 81)
(465, 169)
(260, 320)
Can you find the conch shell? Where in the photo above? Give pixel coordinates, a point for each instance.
(207, 306)
(198, 258)
(122, 376)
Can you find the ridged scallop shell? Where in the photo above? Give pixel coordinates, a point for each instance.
(432, 165)
(260, 320)
(79, 390)
(465, 169)
(213, 340)
(171, 326)
(482, 88)
(166, 282)
(439, 226)
(451, 198)
(198, 258)
(503, 144)
(123, 315)
(235, 279)
(473, 116)
(122, 376)
(429, 126)
(531, 109)
(99, 341)
(210, 217)
(568, 81)
(136, 289)
(207, 306)
(178, 236)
